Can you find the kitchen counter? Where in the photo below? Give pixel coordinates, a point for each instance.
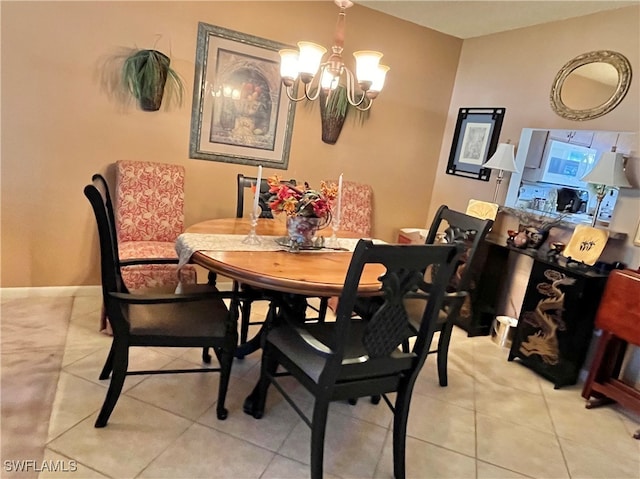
(568, 222)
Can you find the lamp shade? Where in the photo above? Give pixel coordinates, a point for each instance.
(609, 171)
(502, 159)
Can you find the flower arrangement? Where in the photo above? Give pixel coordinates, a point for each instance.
(306, 202)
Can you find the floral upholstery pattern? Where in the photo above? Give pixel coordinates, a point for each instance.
(153, 275)
(149, 201)
(149, 214)
(356, 211)
(147, 249)
(157, 275)
(356, 207)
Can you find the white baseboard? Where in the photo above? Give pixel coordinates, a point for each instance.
(50, 291)
(63, 291)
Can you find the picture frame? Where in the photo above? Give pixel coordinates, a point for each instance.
(240, 111)
(475, 139)
(636, 238)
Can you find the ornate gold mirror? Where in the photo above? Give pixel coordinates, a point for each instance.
(590, 85)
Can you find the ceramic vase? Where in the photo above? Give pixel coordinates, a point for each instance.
(302, 229)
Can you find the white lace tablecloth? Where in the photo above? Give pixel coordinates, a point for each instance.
(189, 243)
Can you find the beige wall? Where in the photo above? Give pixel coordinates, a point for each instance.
(515, 70)
(59, 127)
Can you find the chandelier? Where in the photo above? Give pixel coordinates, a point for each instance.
(306, 62)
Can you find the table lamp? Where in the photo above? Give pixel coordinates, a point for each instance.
(502, 160)
(608, 172)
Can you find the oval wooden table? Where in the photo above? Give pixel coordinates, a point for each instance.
(310, 273)
(304, 274)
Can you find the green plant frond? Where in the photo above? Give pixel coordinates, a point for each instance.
(145, 71)
(339, 105)
(337, 102)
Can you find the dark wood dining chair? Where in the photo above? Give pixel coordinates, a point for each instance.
(350, 358)
(457, 228)
(157, 317)
(469, 232)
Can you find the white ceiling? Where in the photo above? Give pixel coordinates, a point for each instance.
(468, 19)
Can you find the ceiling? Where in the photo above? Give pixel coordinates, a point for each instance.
(468, 19)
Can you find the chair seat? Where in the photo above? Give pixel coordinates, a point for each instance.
(190, 319)
(303, 346)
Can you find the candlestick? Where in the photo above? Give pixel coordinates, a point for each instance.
(339, 209)
(256, 196)
(333, 242)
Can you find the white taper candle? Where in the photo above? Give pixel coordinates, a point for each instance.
(339, 212)
(256, 196)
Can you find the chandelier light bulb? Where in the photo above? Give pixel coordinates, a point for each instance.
(378, 79)
(288, 66)
(367, 62)
(309, 60)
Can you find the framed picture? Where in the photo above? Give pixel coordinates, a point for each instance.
(475, 139)
(240, 112)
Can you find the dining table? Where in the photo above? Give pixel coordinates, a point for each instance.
(217, 245)
(292, 275)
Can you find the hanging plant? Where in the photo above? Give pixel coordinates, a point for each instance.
(145, 73)
(334, 108)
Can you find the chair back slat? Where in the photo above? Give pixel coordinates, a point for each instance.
(463, 229)
(405, 266)
(248, 182)
(110, 272)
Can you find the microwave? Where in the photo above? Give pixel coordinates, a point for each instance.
(563, 164)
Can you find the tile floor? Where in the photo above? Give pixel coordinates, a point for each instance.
(496, 419)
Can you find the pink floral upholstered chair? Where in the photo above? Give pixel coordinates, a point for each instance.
(356, 208)
(149, 216)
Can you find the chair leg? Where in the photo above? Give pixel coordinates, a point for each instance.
(443, 352)
(318, 428)
(400, 418)
(244, 321)
(108, 364)
(322, 310)
(268, 368)
(206, 357)
(120, 361)
(226, 359)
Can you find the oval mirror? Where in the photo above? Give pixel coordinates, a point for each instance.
(590, 85)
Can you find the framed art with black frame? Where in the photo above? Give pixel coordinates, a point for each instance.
(475, 139)
(240, 112)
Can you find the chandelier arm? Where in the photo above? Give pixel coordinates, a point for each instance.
(351, 96)
(289, 90)
(307, 90)
(369, 103)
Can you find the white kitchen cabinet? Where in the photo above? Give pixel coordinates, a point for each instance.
(576, 137)
(536, 149)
